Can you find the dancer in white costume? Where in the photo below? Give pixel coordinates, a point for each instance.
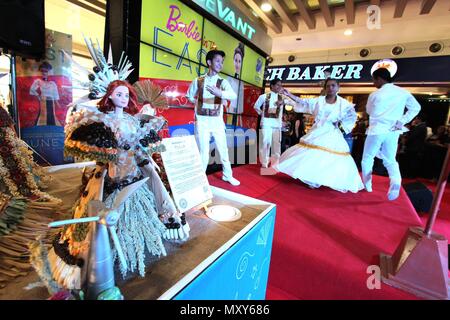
(270, 107)
(387, 117)
(207, 93)
(322, 157)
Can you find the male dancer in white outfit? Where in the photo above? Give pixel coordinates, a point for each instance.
(387, 118)
(207, 93)
(270, 107)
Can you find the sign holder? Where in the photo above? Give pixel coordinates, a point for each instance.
(203, 207)
(188, 182)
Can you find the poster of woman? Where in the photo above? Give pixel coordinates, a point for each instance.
(236, 107)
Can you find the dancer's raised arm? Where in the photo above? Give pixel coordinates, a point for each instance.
(301, 105)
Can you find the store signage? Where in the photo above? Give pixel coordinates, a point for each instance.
(387, 64)
(225, 11)
(229, 15)
(432, 69)
(318, 72)
(187, 179)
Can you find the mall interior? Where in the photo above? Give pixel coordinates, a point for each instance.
(257, 186)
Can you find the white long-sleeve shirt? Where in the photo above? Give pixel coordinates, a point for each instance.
(260, 105)
(46, 89)
(341, 111)
(387, 105)
(208, 98)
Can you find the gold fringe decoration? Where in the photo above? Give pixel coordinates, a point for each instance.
(311, 146)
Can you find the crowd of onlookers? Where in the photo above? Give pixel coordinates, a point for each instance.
(293, 128)
(421, 151)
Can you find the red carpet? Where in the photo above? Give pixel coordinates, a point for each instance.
(325, 240)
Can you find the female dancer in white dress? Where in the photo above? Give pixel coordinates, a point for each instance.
(322, 157)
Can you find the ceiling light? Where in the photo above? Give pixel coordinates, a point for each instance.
(266, 7)
(364, 52)
(397, 50)
(348, 32)
(435, 47)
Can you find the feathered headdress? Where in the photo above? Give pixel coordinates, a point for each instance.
(105, 71)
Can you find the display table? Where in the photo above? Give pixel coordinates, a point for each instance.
(220, 260)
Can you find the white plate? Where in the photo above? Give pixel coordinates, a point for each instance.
(223, 213)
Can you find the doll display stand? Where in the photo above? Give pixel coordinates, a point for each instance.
(220, 260)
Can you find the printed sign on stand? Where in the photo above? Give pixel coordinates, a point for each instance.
(187, 179)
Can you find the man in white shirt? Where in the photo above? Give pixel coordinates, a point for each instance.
(208, 94)
(387, 117)
(47, 93)
(270, 107)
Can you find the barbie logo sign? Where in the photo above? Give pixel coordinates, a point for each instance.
(175, 24)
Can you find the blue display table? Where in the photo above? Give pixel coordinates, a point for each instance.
(239, 269)
(221, 260)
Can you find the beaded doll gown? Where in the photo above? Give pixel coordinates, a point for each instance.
(122, 148)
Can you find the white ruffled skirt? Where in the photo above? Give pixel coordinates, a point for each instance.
(322, 158)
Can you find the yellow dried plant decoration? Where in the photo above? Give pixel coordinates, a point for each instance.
(148, 92)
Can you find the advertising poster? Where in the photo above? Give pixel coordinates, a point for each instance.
(170, 51)
(173, 27)
(174, 43)
(249, 115)
(216, 38)
(43, 95)
(156, 63)
(253, 68)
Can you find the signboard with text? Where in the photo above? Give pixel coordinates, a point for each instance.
(419, 69)
(228, 13)
(187, 179)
